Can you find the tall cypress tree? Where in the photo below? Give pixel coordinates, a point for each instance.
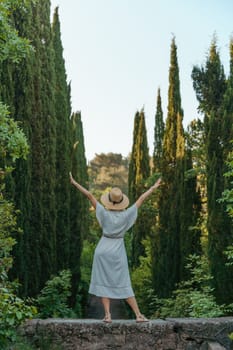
(132, 161)
(34, 194)
(7, 84)
(158, 135)
(139, 165)
(79, 213)
(166, 265)
(210, 86)
(12, 76)
(40, 97)
(48, 145)
(190, 209)
(227, 124)
(22, 104)
(63, 162)
(139, 171)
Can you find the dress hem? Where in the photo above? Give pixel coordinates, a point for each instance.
(111, 297)
(111, 292)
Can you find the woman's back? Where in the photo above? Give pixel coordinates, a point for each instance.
(115, 223)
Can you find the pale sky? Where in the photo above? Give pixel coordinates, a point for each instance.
(117, 54)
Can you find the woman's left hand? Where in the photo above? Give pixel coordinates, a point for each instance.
(72, 181)
(157, 183)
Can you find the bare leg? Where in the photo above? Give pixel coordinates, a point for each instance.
(106, 305)
(134, 306)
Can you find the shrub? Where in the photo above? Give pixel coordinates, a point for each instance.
(192, 298)
(13, 309)
(53, 299)
(13, 312)
(142, 281)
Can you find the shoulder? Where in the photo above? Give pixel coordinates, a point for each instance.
(100, 209)
(132, 209)
(100, 212)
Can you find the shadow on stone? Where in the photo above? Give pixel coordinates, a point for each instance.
(119, 309)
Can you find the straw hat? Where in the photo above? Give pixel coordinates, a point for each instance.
(115, 199)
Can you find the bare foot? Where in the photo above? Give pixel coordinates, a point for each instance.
(141, 318)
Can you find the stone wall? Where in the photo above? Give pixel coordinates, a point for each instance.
(169, 334)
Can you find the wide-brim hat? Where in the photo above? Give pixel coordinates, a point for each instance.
(115, 199)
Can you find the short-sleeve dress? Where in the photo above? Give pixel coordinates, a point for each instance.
(110, 273)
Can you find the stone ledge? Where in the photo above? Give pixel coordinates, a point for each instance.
(169, 334)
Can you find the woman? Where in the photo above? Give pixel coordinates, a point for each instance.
(110, 274)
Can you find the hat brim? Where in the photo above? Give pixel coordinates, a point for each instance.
(117, 206)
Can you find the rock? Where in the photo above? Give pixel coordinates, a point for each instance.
(170, 334)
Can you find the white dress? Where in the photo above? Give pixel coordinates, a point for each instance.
(110, 273)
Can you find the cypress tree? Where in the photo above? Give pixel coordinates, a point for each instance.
(7, 84)
(22, 104)
(139, 165)
(34, 195)
(227, 138)
(158, 135)
(41, 99)
(63, 163)
(7, 97)
(166, 265)
(139, 171)
(190, 209)
(79, 222)
(227, 124)
(10, 76)
(210, 86)
(48, 146)
(132, 161)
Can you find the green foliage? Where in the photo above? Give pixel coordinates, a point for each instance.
(229, 254)
(178, 201)
(86, 267)
(139, 171)
(13, 144)
(79, 205)
(63, 145)
(43, 342)
(195, 138)
(34, 179)
(53, 299)
(214, 94)
(13, 309)
(13, 312)
(146, 222)
(158, 135)
(7, 225)
(47, 119)
(12, 47)
(194, 297)
(142, 280)
(86, 261)
(209, 82)
(139, 164)
(18, 344)
(227, 196)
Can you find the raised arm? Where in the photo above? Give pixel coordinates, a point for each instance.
(147, 193)
(88, 194)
